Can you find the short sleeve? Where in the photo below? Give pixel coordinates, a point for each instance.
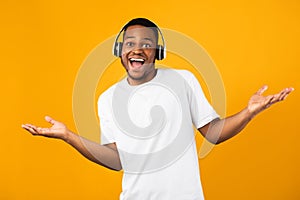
(201, 111)
(107, 126)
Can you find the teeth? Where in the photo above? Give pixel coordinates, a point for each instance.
(137, 59)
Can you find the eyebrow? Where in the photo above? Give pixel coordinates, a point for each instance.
(130, 37)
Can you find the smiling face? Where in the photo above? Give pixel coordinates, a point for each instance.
(138, 54)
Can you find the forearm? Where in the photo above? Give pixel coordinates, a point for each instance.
(223, 129)
(103, 155)
(220, 130)
(95, 152)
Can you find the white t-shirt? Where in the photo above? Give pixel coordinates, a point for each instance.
(152, 126)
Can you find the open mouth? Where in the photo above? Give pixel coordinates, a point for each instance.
(136, 62)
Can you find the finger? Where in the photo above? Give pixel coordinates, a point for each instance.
(30, 129)
(43, 131)
(262, 90)
(282, 94)
(36, 130)
(287, 92)
(50, 120)
(268, 101)
(278, 96)
(29, 126)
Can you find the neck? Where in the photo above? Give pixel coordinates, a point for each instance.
(135, 81)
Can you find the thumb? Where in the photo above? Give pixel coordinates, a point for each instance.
(262, 90)
(50, 120)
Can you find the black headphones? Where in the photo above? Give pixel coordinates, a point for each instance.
(160, 49)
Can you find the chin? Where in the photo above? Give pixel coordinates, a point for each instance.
(135, 76)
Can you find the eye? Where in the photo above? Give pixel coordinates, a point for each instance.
(129, 44)
(146, 45)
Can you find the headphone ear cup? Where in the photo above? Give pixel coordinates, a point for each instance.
(118, 49)
(160, 52)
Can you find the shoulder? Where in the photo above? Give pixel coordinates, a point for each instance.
(186, 75)
(182, 72)
(106, 96)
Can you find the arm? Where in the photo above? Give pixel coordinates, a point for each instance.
(220, 130)
(104, 155)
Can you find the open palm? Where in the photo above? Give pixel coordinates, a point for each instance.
(258, 102)
(57, 130)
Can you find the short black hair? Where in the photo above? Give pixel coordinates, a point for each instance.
(143, 22)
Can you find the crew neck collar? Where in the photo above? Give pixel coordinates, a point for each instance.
(158, 71)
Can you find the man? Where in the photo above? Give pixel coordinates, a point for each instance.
(159, 160)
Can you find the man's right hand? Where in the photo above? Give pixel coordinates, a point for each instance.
(105, 155)
(57, 130)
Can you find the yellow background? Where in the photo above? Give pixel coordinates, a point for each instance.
(43, 44)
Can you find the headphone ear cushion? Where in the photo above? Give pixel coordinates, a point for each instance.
(160, 52)
(118, 49)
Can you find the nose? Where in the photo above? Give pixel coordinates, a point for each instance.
(137, 50)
